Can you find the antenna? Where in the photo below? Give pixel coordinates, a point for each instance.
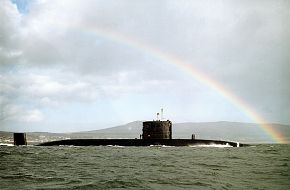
(162, 114)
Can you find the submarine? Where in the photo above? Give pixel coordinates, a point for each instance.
(154, 133)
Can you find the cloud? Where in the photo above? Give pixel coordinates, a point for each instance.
(16, 113)
(57, 53)
(31, 116)
(9, 34)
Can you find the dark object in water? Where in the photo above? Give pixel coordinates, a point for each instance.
(20, 139)
(154, 133)
(157, 130)
(140, 142)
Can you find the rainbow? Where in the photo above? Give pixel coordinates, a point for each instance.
(276, 135)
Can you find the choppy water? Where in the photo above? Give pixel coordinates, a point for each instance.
(258, 167)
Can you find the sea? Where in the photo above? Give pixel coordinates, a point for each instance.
(264, 166)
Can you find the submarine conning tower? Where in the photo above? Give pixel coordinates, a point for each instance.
(157, 130)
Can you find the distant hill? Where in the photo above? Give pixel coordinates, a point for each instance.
(233, 131)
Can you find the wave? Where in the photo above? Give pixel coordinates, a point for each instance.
(117, 146)
(6, 144)
(213, 145)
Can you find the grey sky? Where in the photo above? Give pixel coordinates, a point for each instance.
(57, 70)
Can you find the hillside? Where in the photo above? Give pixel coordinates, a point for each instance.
(233, 131)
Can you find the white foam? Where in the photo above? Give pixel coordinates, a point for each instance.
(166, 146)
(212, 145)
(5, 144)
(117, 146)
(160, 145)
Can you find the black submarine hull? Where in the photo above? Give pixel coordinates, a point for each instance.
(140, 142)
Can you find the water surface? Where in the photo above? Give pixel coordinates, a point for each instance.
(103, 167)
